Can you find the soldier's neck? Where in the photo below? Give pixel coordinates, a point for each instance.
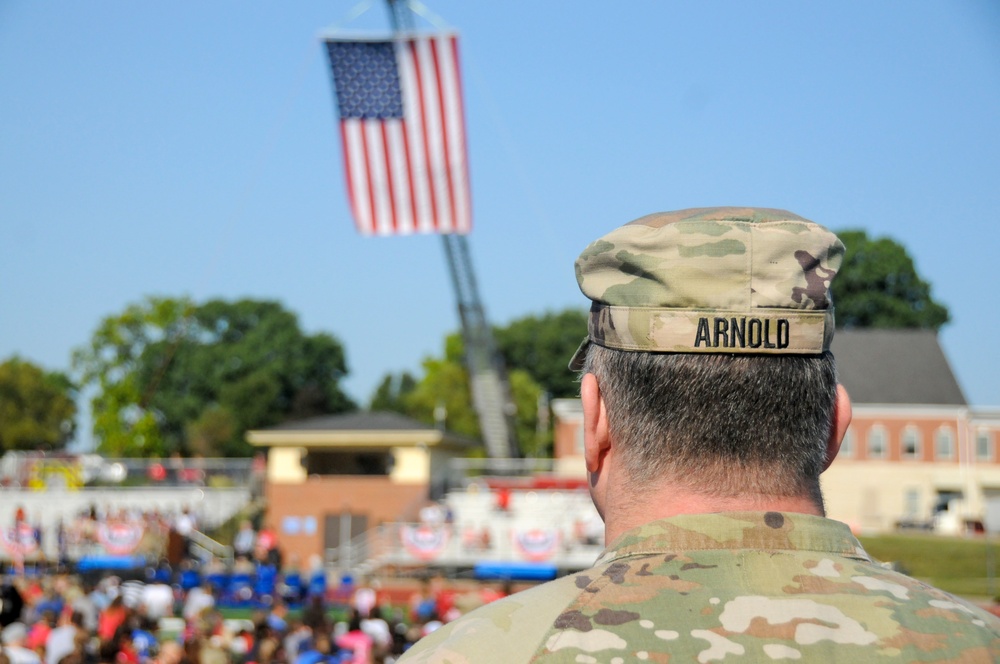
(623, 515)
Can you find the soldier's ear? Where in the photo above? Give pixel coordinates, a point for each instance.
(596, 441)
(842, 415)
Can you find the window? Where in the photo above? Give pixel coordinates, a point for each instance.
(876, 442)
(910, 443)
(911, 504)
(945, 498)
(324, 462)
(944, 443)
(984, 446)
(847, 445)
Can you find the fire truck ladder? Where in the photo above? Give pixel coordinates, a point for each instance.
(491, 395)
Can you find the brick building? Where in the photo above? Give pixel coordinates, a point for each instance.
(330, 479)
(916, 453)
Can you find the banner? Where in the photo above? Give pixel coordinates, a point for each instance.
(537, 543)
(424, 542)
(19, 541)
(120, 538)
(402, 128)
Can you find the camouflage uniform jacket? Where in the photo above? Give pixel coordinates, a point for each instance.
(741, 586)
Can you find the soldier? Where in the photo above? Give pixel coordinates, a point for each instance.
(711, 406)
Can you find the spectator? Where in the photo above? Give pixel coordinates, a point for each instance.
(171, 652)
(266, 552)
(184, 525)
(39, 632)
(87, 604)
(356, 641)
(11, 603)
(503, 499)
(364, 599)
(62, 640)
(378, 630)
(244, 540)
(199, 599)
(314, 615)
(317, 652)
(111, 619)
(118, 648)
(143, 637)
(298, 639)
(13, 637)
(157, 600)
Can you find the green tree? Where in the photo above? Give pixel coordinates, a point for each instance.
(443, 391)
(171, 375)
(37, 407)
(878, 286)
(391, 393)
(542, 346)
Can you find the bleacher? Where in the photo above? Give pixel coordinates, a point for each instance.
(518, 528)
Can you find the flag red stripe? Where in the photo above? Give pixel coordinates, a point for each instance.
(444, 131)
(459, 101)
(388, 178)
(368, 173)
(409, 175)
(350, 180)
(423, 128)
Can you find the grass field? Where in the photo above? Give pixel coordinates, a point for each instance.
(963, 566)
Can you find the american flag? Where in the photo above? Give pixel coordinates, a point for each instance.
(403, 130)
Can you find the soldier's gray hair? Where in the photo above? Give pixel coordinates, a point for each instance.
(722, 425)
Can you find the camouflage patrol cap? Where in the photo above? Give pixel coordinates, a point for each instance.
(711, 280)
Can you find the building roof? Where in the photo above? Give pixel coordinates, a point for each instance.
(361, 420)
(361, 429)
(895, 367)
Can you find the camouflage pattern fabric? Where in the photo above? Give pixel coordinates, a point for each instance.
(711, 280)
(731, 587)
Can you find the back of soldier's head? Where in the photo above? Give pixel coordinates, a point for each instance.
(709, 335)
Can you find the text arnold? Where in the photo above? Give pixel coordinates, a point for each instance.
(742, 333)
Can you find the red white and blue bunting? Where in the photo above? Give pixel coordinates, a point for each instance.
(424, 542)
(537, 543)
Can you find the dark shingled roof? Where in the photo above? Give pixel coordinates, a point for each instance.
(357, 421)
(895, 367)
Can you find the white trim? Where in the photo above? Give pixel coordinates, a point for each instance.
(907, 411)
(344, 438)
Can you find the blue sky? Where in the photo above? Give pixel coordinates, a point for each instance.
(190, 148)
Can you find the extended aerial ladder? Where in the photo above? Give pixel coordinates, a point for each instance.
(491, 395)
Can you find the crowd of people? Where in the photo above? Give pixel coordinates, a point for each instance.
(148, 533)
(257, 609)
(66, 618)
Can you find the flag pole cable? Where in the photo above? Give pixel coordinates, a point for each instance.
(356, 11)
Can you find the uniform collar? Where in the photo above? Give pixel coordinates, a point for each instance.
(769, 531)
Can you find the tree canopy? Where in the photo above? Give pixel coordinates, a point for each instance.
(172, 375)
(37, 407)
(542, 346)
(443, 393)
(878, 286)
(391, 392)
(537, 350)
